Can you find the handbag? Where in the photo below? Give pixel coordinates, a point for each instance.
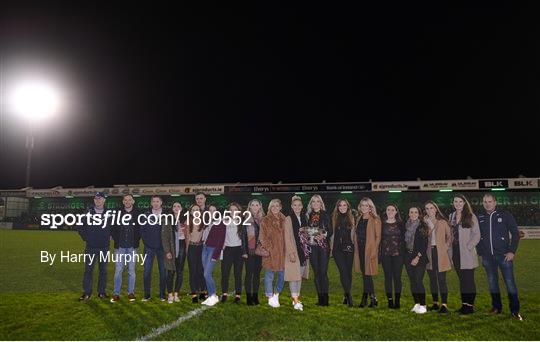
(347, 248)
(261, 251)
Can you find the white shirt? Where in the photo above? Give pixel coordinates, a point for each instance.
(433, 235)
(231, 237)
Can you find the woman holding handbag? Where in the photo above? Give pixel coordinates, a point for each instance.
(342, 246)
(272, 238)
(367, 237)
(250, 242)
(416, 244)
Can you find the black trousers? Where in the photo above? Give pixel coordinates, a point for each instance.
(195, 265)
(89, 270)
(392, 267)
(467, 286)
(344, 263)
(177, 276)
(232, 256)
(319, 264)
(253, 273)
(416, 277)
(437, 280)
(367, 279)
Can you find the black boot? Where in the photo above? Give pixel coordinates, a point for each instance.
(319, 299)
(249, 299)
(349, 300)
(372, 300)
(255, 298)
(397, 303)
(390, 301)
(363, 302)
(345, 299)
(326, 299)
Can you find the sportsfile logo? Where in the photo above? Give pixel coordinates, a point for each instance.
(109, 217)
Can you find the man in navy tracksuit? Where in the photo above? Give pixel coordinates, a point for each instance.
(153, 248)
(498, 244)
(97, 240)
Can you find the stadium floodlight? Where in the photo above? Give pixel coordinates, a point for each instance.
(34, 100)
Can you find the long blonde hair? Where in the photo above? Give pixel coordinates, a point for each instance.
(310, 209)
(370, 204)
(257, 218)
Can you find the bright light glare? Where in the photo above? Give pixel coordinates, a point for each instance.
(35, 100)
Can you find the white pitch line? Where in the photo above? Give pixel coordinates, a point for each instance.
(166, 327)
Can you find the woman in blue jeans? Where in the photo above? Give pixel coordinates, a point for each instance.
(213, 244)
(272, 239)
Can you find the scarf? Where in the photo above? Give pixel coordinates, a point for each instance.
(410, 229)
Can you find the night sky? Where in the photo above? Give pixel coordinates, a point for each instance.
(267, 94)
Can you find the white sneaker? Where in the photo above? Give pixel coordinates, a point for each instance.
(415, 307)
(299, 306)
(421, 309)
(214, 301)
(170, 299)
(274, 301)
(176, 299)
(276, 296)
(211, 301)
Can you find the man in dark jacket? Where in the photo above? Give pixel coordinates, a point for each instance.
(126, 241)
(97, 239)
(498, 244)
(153, 248)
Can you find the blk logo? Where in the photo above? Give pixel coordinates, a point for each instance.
(523, 183)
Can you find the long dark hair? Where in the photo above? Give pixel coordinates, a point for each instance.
(335, 214)
(438, 215)
(191, 224)
(466, 220)
(241, 225)
(422, 226)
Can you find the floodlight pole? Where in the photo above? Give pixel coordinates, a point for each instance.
(29, 148)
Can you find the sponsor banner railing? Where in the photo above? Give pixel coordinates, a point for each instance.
(119, 191)
(191, 189)
(530, 232)
(307, 187)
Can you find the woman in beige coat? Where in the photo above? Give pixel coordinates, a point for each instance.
(465, 237)
(439, 243)
(295, 246)
(366, 238)
(272, 239)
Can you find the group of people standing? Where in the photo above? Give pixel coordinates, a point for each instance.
(283, 246)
